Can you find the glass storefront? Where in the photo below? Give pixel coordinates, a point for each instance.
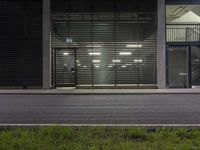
(183, 66)
(109, 48)
(183, 37)
(178, 67)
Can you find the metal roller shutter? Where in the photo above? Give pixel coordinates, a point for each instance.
(21, 43)
(111, 48)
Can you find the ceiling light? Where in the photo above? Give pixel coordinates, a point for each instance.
(128, 64)
(129, 49)
(68, 40)
(182, 74)
(96, 61)
(125, 53)
(110, 66)
(65, 54)
(94, 50)
(138, 60)
(97, 66)
(133, 45)
(124, 66)
(116, 60)
(94, 46)
(94, 54)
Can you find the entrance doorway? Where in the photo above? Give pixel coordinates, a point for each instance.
(183, 67)
(64, 67)
(178, 70)
(195, 65)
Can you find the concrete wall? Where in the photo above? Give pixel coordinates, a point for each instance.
(161, 42)
(46, 45)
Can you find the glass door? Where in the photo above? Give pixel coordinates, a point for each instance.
(195, 65)
(64, 67)
(178, 67)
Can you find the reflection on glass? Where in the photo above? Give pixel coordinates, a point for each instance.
(195, 62)
(178, 67)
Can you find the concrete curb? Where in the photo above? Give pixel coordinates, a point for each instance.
(100, 92)
(103, 125)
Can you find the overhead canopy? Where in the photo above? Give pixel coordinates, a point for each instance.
(188, 17)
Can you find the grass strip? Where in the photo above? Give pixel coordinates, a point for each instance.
(99, 138)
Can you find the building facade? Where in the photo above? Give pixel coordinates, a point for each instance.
(99, 44)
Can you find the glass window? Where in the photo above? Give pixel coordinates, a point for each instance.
(111, 48)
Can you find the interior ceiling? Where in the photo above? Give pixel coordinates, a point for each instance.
(176, 11)
(87, 6)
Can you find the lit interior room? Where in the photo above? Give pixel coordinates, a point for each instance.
(104, 48)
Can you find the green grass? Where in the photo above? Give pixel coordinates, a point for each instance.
(99, 138)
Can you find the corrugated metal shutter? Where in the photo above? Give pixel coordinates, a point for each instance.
(111, 48)
(21, 43)
(64, 67)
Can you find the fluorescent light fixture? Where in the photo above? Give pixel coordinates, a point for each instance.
(96, 61)
(94, 50)
(177, 11)
(138, 60)
(97, 66)
(94, 46)
(79, 65)
(110, 66)
(128, 64)
(84, 66)
(129, 50)
(69, 40)
(123, 66)
(95, 53)
(196, 60)
(65, 54)
(116, 60)
(182, 74)
(125, 53)
(133, 45)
